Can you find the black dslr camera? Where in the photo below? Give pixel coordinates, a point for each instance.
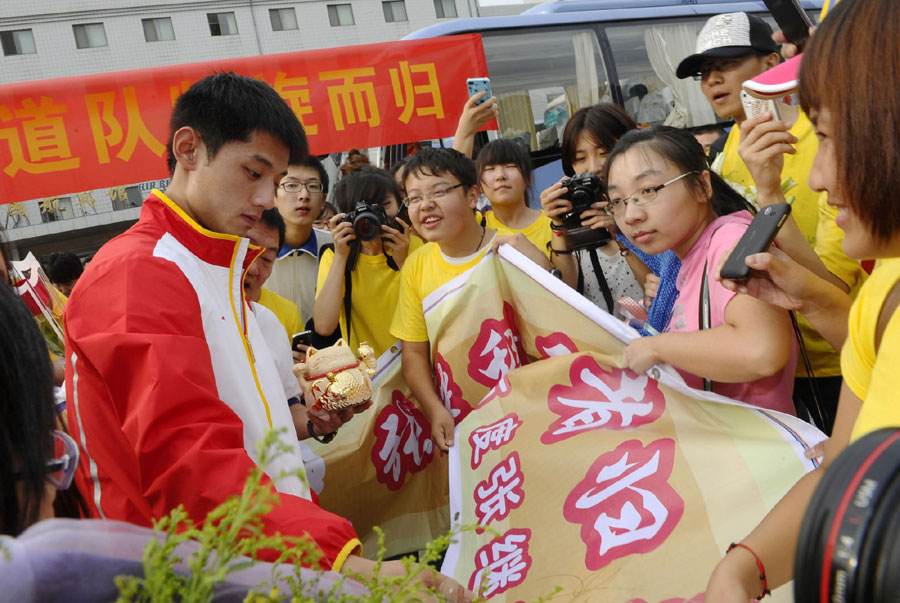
(583, 190)
(367, 219)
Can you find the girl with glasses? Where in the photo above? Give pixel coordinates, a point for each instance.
(663, 197)
(37, 459)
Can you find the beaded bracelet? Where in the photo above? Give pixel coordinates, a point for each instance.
(759, 564)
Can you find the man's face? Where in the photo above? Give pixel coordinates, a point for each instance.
(303, 207)
(721, 81)
(259, 271)
(227, 193)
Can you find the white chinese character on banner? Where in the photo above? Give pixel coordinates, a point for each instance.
(625, 503)
(601, 399)
(492, 437)
(501, 492)
(505, 560)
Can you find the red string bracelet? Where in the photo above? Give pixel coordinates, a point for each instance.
(759, 564)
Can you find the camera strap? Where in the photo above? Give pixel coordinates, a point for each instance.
(348, 280)
(601, 280)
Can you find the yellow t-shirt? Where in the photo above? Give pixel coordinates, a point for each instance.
(872, 376)
(424, 271)
(538, 232)
(814, 217)
(285, 310)
(375, 287)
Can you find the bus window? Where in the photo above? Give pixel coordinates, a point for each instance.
(540, 77)
(646, 56)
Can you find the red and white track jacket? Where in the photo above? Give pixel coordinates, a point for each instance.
(171, 385)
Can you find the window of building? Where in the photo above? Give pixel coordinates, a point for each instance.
(89, 35)
(17, 42)
(340, 14)
(283, 19)
(222, 24)
(158, 29)
(444, 9)
(54, 209)
(394, 11)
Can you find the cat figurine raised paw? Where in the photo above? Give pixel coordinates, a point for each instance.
(332, 378)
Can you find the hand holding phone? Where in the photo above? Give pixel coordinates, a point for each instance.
(479, 84)
(756, 239)
(298, 339)
(754, 106)
(792, 20)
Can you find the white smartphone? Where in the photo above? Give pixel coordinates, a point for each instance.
(754, 106)
(479, 84)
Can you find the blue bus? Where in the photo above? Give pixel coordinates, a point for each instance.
(557, 57)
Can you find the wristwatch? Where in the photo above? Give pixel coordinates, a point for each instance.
(321, 439)
(556, 272)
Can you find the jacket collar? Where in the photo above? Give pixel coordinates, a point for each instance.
(214, 248)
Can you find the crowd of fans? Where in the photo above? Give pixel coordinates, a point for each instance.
(170, 376)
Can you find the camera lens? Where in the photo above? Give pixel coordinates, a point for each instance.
(367, 226)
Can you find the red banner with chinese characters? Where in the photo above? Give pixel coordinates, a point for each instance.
(80, 133)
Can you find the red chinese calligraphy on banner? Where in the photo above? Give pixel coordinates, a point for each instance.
(449, 391)
(625, 504)
(493, 437)
(110, 129)
(601, 399)
(497, 350)
(555, 344)
(403, 442)
(501, 492)
(504, 560)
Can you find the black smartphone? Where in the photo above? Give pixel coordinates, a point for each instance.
(757, 239)
(403, 214)
(298, 339)
(792, 20)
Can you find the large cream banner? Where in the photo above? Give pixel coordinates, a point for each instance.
(616, 486)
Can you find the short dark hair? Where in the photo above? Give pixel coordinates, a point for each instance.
(327, 207)
(504, 151)
(227, 107)
(865, 110)
(605, 123)
(681, 148)
(273, 219)
(707, 129)
(63, 267)
(311, 161)
(26, 414)
(433, 162)
(367, 183)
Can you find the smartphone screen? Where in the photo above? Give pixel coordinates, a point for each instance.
(756, 239)
(792, 20)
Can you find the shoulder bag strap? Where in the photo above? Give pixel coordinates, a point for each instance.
(887, 311)
(705, 316)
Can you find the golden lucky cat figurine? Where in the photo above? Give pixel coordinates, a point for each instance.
(332, 378)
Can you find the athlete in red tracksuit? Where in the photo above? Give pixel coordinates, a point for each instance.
(171, 383)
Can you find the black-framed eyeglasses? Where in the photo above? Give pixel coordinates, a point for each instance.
(643, 196)
(432, 196)
(61, 469)
(295, 187)
(722, 65)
